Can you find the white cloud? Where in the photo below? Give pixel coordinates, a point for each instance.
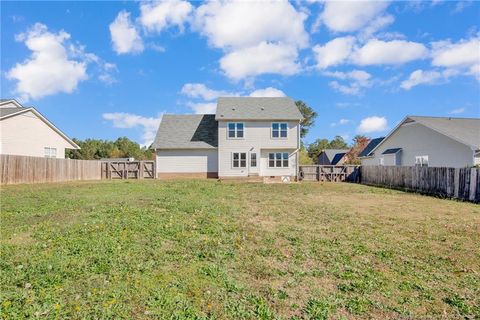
(199, 90)
(107, 71)
(357, 79)
(268, 92)
(348, 16)
(203, 107)
(157, 16)
(49, 69)
(475, 71)
(350, 89)
(372, 124)
(377, 52)
(457, 111)
(464, 53)
(148, 125)
(253, 37)
(345, 50)
(375, 25)
(421, 77)
(359, 76)
(125, 37)
(340, 122)
(333, 52)
(240, 24)
(429, 77)
(261, 59)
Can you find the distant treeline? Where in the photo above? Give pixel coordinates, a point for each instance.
(92, 149)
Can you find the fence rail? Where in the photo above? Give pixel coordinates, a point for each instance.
(128, 170)
(23, 169)
(345, 173)
(459, 183)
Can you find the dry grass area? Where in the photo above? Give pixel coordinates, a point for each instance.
(211, 250)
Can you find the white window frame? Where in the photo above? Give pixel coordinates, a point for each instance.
(279, 130)
(421, 161)
(252, 154)
(239, 160)
(381, 161)
(50, 152)
(235, 130)
(282, 160)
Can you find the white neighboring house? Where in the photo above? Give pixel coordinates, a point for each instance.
(246, 137)
(427, 141)
(25, 132)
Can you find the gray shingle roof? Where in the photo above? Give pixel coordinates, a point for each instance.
(253, 108)
(7, 111)
(465, 130)
(332, 152)
(189, 131)
(370, 146)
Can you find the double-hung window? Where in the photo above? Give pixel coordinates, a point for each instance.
(279, 129)
(236, 130)
(239, 160)
(421, 161)
(278, 160)
(50, 152)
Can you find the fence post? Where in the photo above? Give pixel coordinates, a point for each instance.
(456, 182)
(473, 184)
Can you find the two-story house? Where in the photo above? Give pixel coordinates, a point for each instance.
(246, 137)
(26, 132)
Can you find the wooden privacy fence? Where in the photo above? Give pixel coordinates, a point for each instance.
(346, 173)
(128, 170)
(459, 183)
(23, 169)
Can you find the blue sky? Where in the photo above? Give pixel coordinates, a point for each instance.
(110, 69)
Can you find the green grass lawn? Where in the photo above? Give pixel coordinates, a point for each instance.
(211, 250)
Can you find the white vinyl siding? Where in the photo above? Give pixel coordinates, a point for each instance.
(187, 161)
(257, 139)
(27, 135)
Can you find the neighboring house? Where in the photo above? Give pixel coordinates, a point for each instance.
(367, 156)
(332, 157)
(25, 132)
(246, 137)
(427, 141)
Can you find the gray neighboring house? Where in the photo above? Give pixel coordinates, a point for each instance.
(332, 157)
(427, 141)
(246, 137)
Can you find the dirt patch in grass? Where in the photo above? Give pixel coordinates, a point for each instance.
(202, 249)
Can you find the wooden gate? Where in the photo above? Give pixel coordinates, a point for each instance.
(128, 170)
(349, 173)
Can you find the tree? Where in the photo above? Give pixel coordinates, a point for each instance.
(338, 143)
(304, 157)
(316, 147)
(309, 116)
(91, 149)
(359, 143)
